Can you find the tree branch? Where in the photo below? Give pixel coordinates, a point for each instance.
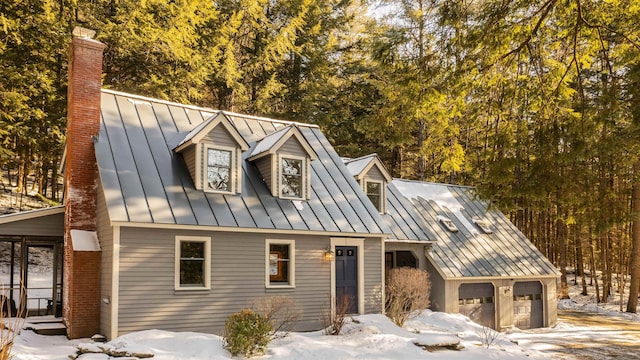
(544, 10)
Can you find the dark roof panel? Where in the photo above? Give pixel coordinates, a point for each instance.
(145, 181)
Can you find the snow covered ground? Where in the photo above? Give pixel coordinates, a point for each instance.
(375, 337)
(367, 337)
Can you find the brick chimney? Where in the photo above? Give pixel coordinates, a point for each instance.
(81, 294)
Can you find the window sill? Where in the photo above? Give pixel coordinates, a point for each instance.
(190, 289)
(280, 287)
(277, 289)
(209, 191)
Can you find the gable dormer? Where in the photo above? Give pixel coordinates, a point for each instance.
(284, 161)
(213, 153)
(373, 177)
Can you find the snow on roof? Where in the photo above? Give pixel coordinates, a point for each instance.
(356, 166)
(440, 195)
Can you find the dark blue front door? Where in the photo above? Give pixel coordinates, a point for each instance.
(347, 279)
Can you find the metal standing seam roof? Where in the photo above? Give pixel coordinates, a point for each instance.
(356, 166)
(468, 252)
(144, 181)
(269, 141)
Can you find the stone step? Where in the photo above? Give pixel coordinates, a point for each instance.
(45, 325)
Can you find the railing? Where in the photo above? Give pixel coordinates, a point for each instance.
(37, 299)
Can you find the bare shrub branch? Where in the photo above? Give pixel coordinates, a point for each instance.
(282, 312)
(333, 322)
(407, 293)
(487, 335)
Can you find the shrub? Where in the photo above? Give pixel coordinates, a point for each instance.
(281, 312)
(487, 335)
(246, 333)
(407, 292)
(334, 321)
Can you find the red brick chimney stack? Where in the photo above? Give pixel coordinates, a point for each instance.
(81, 295)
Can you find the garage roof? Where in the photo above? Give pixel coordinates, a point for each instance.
(469, 252)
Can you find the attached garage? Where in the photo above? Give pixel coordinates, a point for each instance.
(477, 302)
(527, 305)
(479, 263)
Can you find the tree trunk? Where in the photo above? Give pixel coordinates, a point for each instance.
(580, 260)
(54, 181)
(634, 269)
(561, 236)
(594, 275)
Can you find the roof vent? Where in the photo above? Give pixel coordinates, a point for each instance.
(483, 225)
(448, 223)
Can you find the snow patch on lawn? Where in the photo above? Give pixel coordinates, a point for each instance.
(364, 337)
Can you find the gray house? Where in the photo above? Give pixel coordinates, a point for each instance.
(177, 216)
(479, 263)
(211, 210)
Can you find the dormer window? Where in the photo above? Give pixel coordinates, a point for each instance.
(212, 152)
(374, 193)
(373, 177)
(292, 178)
(284, 161)
(448, 223)
(219, 169)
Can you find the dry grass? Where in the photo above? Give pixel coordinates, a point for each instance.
(10, 325)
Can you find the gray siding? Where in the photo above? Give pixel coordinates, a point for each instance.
(264, 167)
(375, 174)
(292, 147)
(148, 299)
(51, 225)
(373, 273)
(438, 290)
(219, 136)
(105, 237)
(189, 155)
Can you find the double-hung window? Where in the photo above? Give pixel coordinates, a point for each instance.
(374, 193)
(280, 263)
(219, 170)
(292, 174)
(193, 263)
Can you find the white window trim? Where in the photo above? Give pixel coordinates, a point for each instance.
(359, 244)
(207, 262)
(233, 171)
(304, 177)
(292, 263)
(383, 195)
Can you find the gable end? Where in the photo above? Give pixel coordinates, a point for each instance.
(213, 154)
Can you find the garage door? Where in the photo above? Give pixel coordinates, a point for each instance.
(477, 302)
(527, 305)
